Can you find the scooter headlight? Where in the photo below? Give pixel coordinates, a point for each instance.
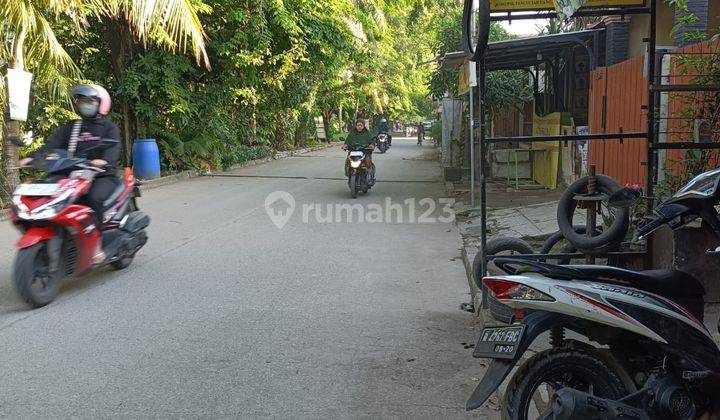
(355, 163)
(46, 211)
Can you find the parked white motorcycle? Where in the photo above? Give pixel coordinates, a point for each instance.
(642, 350)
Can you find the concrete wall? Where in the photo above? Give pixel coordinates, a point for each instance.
(640, 25)
(714, 17)
(700, 9)
(684, 250)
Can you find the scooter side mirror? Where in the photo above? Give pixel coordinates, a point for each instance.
(624, 198)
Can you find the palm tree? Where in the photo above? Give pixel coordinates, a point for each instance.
(29, 43)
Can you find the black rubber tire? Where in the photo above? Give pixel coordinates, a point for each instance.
(553, 363)
(498, 245)
(352, 183)
(24, 273)
(554, 239)
(609, 238)
(494, 247)
(122, 263)
(125, 262)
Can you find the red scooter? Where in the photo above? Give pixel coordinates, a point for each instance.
(59, 232)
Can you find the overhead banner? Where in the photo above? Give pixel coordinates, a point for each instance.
(530, 5)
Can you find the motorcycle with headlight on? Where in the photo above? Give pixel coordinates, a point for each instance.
(383, 142)
(639, 348)
(59, 235)
(359, 170)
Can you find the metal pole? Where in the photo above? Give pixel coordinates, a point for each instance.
(650, 165)
(472, 141)
(591, 208)
(483, 186)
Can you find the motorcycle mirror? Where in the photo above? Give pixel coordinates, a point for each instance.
(476, 28)
(624, 198)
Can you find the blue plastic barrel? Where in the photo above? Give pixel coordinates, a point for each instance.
(146, 159)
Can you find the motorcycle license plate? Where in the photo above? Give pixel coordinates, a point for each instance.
(37, 190)
(356, 153)
(499, 342)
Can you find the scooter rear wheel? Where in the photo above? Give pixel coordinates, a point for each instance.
(125, 262)
(122, 263)
(529, 394)
(32, 279)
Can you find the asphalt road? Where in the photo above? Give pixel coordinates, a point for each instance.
(223, 314)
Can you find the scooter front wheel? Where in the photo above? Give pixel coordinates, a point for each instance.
(32, 278)
(352, 183)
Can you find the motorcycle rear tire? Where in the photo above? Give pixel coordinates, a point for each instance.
(125, 262)
(122, 263)
(27, 261)
(550, 365)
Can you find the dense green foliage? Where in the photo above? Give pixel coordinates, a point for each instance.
(267, 70)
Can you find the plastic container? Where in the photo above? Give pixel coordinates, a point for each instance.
(146, 159)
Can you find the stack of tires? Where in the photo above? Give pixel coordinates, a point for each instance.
(571, 238)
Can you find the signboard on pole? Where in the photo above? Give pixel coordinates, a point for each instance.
(19, 93)
(473, 73)
(530, 5)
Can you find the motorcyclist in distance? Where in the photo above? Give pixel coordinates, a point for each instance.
(384, 128)
(360, 138)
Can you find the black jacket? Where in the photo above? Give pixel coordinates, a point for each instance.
(91, 132)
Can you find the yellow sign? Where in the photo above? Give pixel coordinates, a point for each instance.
(545, 163)
(519, 5)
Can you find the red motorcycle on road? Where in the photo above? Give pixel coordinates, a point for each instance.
(59, 235)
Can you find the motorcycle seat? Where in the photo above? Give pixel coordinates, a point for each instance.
(667, 283)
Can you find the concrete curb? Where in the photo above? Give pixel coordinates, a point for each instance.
(169, 179)
(468, 256)
(194, 173)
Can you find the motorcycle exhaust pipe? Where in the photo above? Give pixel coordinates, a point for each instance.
(571, 404)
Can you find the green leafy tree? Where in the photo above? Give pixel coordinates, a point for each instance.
(33, 44)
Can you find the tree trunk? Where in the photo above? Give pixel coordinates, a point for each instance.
(327, 116)
(10, 178)
(121, 49)
(340, 119)
(10, 154)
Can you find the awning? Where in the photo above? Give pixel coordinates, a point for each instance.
(527, 52)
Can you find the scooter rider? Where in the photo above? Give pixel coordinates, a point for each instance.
(360, 138)
(92, 103)
(384, 128)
